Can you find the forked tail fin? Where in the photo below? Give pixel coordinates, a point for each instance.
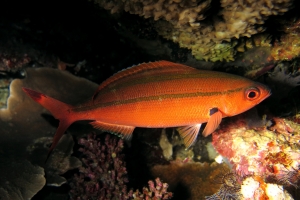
(58, 109)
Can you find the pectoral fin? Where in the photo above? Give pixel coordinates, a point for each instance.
(121, 130)
(213, 122)
(189, 134)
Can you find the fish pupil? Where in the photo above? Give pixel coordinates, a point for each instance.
(251, 94)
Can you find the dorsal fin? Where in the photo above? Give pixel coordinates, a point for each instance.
(140, 69)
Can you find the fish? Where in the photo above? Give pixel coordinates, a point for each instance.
(159, 94)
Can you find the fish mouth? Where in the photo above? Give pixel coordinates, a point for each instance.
(269, 92)
(265, 91)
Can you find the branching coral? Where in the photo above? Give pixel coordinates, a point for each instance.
(104, 174)
(184, 22)
(156, 191)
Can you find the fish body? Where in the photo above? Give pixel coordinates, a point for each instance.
(156, 95)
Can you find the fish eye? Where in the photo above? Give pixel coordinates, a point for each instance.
(252, 93)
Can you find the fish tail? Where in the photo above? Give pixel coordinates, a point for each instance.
(58, 109)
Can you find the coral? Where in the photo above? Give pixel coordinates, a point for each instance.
(202, 42)
(264, 153)
(4, 92)
(25, 128)
(23, 117)
(60, 161)
(256, 188)
(19, 178)
(192, 180)
(21, 45)
(104, 174)
(258, 40)
(177, 12)
(288, 47)
(165, 145)
(289, 177)
(185, 22)
(230, 187)
(156, 191)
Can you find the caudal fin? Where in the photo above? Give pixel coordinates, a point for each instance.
(58, 109)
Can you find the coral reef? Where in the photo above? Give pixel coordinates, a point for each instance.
(184, 22)
(269, 154)
(104, 168)
(288, 47)
(177, 12)
(19, 178)
(4, 92)
(26, 131)
(190, 180)
(256, 188)
(156, 191)
(165, 145)
(230, 187)
(20, 45)
(23, 116)
(103, 174)
(60, 161)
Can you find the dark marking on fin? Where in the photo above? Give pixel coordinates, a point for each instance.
(213, 111)
(213, 122)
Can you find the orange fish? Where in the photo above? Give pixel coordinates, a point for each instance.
(156, 95)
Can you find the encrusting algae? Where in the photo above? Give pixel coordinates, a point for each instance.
(192, 25)
(269, 154)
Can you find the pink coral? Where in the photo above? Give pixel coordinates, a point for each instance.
(104, 174)
(156, 191)
(271, 153)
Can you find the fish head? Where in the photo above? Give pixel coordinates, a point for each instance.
(249, 96)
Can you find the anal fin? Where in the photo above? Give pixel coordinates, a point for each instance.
(213, 122)
(122, 130)
(189, 134)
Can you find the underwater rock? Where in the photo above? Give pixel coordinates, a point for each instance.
(230, 186)
(19, 178)
(192, 180)
(254, 188)
(211, 38)
(60, 161)
(23, 121)
(4, 93)
(287, 48)
(272, 154)
(165, 145)
(26, 127)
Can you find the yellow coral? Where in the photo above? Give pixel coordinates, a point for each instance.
(288, 47)
(210, 39)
